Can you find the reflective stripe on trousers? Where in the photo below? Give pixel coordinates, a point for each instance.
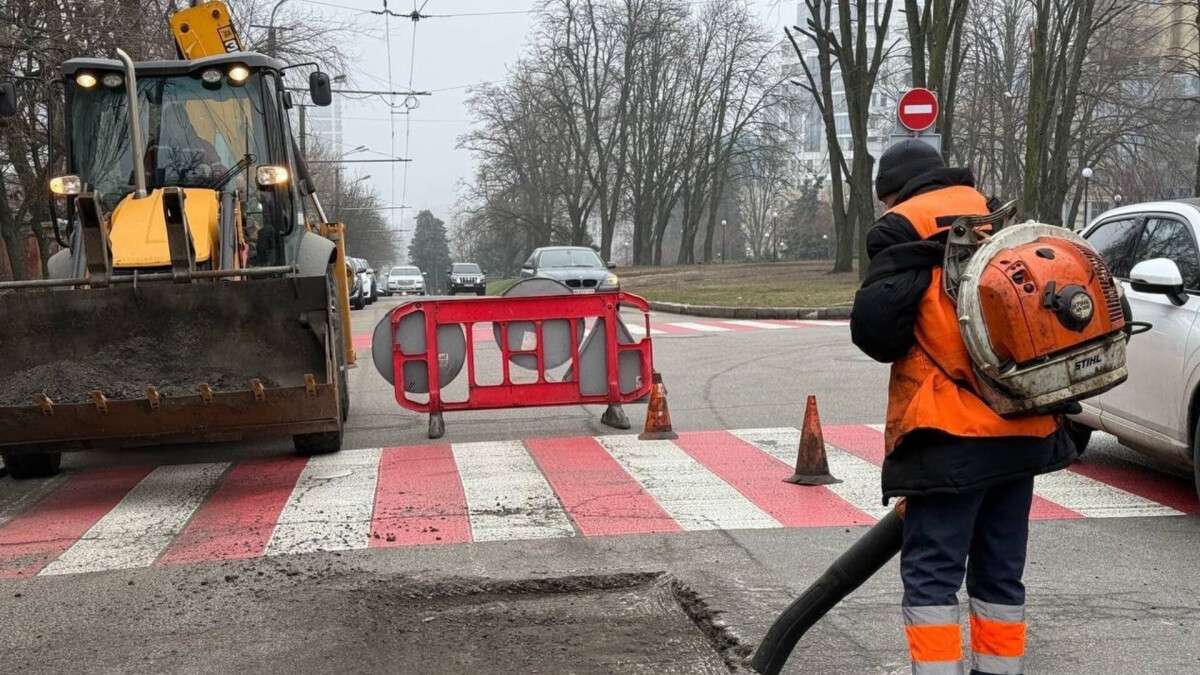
(934, 640)
(997, 637)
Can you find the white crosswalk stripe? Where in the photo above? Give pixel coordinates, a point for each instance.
(699, 327)
(330, 507)
(639, 329)
(1094, 499)
(143, 524)
(689, 493)
(860, 479)
(507, 496)
(756, 324)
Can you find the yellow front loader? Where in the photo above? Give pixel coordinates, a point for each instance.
(201, 294)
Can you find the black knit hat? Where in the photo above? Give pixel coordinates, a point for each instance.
(903, 162)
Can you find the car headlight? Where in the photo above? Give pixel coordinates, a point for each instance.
(611, 280)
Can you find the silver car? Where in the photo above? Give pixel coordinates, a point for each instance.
(579, 267)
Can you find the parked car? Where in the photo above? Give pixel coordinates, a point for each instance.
(406, 280)
(578, 267)
(374, 279)
(467, 278)
(381, 283)
(1151, 248)
(355, 278)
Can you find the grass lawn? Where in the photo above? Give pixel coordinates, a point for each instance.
(791, 284)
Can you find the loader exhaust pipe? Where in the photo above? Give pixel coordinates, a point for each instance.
(859, 563)
(135, 126)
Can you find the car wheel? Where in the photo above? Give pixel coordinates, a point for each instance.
(1080, 436)
(1196, 457)
(23, 466)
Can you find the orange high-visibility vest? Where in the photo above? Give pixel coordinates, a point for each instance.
(932, 387)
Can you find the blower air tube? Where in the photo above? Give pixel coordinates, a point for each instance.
(859, 563)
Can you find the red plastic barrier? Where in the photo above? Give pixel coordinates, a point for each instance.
(503, 311)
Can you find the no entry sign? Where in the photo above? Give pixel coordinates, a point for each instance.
(918, 109)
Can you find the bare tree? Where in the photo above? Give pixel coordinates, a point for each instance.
(935, 35)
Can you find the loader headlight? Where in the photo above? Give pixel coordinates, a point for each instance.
(112, 80)
(211, 76)
(238, 74)
(1081, 307)
(271, 176)
(85, 80)
(65, 186)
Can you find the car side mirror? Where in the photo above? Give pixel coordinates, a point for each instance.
(611, 265)
(1160, 275)
(319, 88)
(8, 99)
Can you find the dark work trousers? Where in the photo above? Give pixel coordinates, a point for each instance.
(982, 534)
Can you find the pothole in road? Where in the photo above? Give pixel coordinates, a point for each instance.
(368, 622)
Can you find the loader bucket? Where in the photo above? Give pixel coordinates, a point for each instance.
(137, 364)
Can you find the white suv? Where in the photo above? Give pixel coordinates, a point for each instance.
(1152, 249)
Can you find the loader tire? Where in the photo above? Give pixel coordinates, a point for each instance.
(324, 443)
(23, 466)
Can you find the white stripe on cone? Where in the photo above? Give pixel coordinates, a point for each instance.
(691, 494)
(507, 496)
(139, 528)
(330, 506)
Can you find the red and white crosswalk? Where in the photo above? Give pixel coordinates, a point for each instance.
(661, 329)
(459, 493)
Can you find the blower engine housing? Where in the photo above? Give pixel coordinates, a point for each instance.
(1040, 314)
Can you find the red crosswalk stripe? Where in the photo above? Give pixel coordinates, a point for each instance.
(760, 476)
(600, 497)
(419, 499)
(36, 537)
(236, 522)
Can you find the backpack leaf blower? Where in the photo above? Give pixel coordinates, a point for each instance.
(1045, 325)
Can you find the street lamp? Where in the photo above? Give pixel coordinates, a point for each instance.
(271, 29)
(723, 224)
(1087, 206)
(1117, 200)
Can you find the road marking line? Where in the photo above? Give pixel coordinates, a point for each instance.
(599, 496)
(760, 477)
(237, 521)
(30, 540)
(756, 324)
(18, 496)
(822, 323)
(508, 496)
(639, 329)
(330, 507)
(419, 499)
(1094, 499)
(1142, 481)
(695, 497)
(137, 530)
(860, 478)
(699, 327)
(866, 441)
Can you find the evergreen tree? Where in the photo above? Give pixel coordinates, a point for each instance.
(430, 250)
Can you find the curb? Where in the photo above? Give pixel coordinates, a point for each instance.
(720, 312)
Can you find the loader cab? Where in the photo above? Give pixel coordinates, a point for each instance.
(216, 127)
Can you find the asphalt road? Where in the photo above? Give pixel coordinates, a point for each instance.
(1107, 594)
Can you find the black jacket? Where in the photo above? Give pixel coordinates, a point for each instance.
(882, 325)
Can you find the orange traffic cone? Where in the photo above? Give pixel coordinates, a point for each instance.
(812, 467)
(658, 417)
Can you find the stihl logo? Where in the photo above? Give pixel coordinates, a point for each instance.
(1088, 362)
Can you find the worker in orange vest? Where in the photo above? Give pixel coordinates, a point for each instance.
(965, 471)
